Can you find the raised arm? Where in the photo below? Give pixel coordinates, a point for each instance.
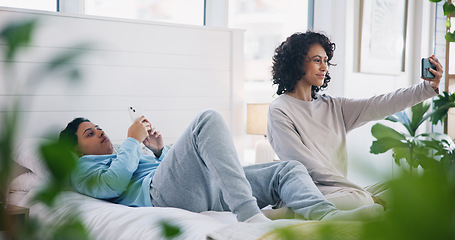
(107, 176)
(357, 112)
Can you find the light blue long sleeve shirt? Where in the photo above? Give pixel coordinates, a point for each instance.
(122, 178)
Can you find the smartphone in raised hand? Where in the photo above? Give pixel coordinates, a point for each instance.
(426, 65)
(134, 115)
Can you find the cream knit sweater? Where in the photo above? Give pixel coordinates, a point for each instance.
(314, 132)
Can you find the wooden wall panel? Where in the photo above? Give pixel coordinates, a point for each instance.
(169, 72)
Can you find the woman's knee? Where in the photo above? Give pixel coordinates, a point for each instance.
(211, 115)
(350, 199)
(294, 166)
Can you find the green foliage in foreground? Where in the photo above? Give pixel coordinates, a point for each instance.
(420, 207)
(15, 38)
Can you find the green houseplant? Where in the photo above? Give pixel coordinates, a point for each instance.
(421, 203)
(428, 150)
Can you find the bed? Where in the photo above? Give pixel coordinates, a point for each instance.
(105, 220)
(169, 72)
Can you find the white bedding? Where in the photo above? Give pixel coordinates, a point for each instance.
(106, 220)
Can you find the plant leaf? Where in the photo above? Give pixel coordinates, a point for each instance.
(442, 106)
(450, 37)
(448, 8)
(418, 111)
(68, 57)
(73, 230)
(401, 153)
(392, 118)
(423, 158)
(170, 230)
(381, 131)
(17, 35)
(402, 118)
(384, 144)
(59, 159)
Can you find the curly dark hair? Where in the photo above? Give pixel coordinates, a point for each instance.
(287, 66)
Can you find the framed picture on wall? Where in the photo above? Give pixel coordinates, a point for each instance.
(383, 36)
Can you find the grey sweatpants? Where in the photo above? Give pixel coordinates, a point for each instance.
(201, 172)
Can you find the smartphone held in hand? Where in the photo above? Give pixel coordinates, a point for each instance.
(134, 115)
(426, 64)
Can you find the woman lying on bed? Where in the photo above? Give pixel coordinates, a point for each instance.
(201, 172)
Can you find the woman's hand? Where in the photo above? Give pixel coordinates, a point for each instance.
(138, 130)
(434, 82)
(154, 142)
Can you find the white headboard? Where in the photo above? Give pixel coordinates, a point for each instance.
(169, 72)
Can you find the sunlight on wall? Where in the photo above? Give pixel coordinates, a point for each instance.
(47, 5)
(267, 24)
(173, 11)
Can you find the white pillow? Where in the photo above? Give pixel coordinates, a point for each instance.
(25, 182)
(27, 155)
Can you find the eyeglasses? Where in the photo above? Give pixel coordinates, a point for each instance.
(319, 60)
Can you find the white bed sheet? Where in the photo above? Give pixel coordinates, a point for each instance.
(106, 220)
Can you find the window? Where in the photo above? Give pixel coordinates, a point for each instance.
(267, 24)
(47, 5)
(174, 11)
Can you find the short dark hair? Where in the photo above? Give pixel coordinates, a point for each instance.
(287, 66)
(68, 135)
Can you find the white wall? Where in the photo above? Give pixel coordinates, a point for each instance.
(340, 19)
(169, 72)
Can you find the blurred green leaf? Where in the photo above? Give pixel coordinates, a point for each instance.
(169, 230)
(67, 57)
(60, 161)
(450, 37)
(448, 8)
(448, 23)
(17, 34)
(59, 158)
(422, 207)
(8, 130)
(73, 230)
(435, 1)
(49, 193)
